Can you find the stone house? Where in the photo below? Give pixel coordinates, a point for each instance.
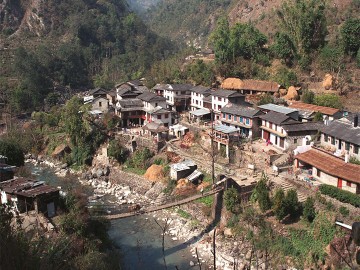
(177, 95)
(221, 97)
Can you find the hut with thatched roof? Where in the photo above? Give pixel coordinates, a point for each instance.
(250, 86)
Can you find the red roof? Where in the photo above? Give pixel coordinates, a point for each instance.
(331, 165)
(311, 107)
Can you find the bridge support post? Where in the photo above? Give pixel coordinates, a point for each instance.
(217, 206)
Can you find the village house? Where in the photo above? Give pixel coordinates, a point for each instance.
(177, 95)
(226, 136)
(182, 169)
(26, 195)
(111, 96)
(329, 169)
(308, 111)
(272, 128)
(221, 97)
(342, 136)
(250, 87)
(100, 105)
(198, 93)
(131, 112)
(246, 119)
(301, 134)
(126, 91)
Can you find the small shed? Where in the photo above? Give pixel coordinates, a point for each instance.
(178, 130)
(182, 169)
(26, 195)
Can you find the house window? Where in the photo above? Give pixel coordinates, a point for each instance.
(235, 117)
(229, 116)
(219, 99)
(318, 173)
(177, 93)
(356, 149)
(333, 140)
(224, 115)
(197, 102)
(347, 146)
(241, 119)
(166, 115)
(219, 107)
(348, 184)
(247, 121)
(295, 140)
(159, 116)
(156, 104)
(100, 104)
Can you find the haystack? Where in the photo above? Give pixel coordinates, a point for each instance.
(232, 83)
(154, 173)
(328, 82)
(188, 139)
(292, 94)
(184, 187)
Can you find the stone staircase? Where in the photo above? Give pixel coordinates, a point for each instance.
(286, 186)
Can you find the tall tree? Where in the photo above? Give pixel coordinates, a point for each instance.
(220, 38)
(350, 33)
(304, 22)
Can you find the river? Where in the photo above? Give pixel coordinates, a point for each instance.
(138, 238)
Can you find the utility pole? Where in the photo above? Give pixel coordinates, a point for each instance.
(212, 148)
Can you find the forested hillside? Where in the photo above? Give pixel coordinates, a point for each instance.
(75, 43)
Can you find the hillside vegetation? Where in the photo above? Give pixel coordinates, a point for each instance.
(77, 43)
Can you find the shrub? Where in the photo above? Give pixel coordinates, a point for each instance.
(261, 194)
(292, 204)
(279, 205)
(231, 200)
(344, 211)
(309, 209)
(13, 152)
(117, 151)
(354, 160)
(140, 159)
(341, 195)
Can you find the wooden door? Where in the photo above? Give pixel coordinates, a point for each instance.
(282, 142)
(266, 135)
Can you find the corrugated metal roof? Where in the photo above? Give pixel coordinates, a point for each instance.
(226, 129)
(26, 187)
(277, 108)
(200, 112)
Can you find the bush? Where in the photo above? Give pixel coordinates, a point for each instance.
(309, 209)
(261, 194)
(328, 100)
(117, 151)
(140, 159)
(308, 97)
(292, 204)
(279, 205)
(232, 200)
(344, 211)
(13, 152)
(354, 160)
(341, 195)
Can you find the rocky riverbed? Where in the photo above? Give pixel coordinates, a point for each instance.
(122, 189)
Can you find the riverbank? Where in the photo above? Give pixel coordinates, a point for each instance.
(189, 228)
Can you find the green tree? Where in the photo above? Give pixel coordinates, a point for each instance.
(200, 73)
(266, 99)
(284, 48)
(350, 33)
(328, 100)
(318, 117)
(13, 152)
(304, 23)
(309, 209)
(331, 58)
(292, 204)
(308, 97)
(220, 38)
(232, 200)
(279, 204)
(72, 118)
(246, 41)
(285, 77)
(117, 151)
(261, 193)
